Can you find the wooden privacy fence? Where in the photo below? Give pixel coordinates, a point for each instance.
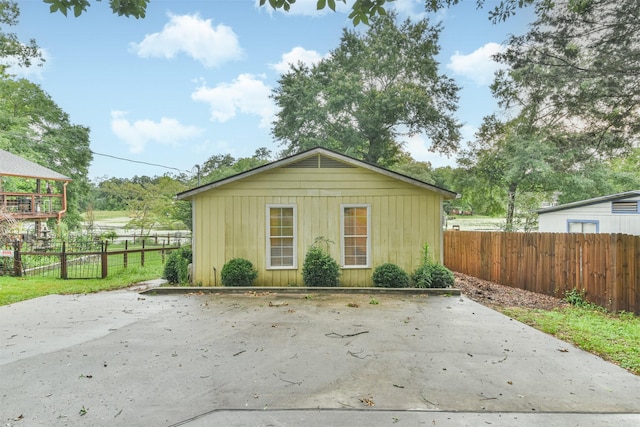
(605, 266)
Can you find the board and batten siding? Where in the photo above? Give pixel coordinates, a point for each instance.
(230, 221)
(608, 222)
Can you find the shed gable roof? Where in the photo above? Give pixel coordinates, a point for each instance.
(320, 158)
(12, 165)
(594, 201)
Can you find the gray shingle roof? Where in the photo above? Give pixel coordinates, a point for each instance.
(12, 165)
(595, 200)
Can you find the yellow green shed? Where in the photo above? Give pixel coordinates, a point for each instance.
(270, 215)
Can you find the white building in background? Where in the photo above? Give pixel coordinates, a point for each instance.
(617, 213)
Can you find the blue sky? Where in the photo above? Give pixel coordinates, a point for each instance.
(193, 78)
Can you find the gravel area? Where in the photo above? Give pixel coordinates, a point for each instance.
(493, 295)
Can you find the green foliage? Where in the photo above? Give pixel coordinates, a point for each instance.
(109, 235)
(566, 70)
(577, 298)
(32, 126)
(431, 274)
(238, 272)
(390, 275)
(176, 266)
(220, 166)
(319, 269)
(369, 92)
(10, 46)
(421, 277)
(441, 277)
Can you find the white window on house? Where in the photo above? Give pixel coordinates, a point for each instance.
(281, 237)
(625, 207)
(582, 226)
(355, 224)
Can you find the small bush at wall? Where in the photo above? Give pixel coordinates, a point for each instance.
(441, 277)
(319, 269)
(176, 267)
(421, 278)
(390, 276)
(430, 274)
(238, 272)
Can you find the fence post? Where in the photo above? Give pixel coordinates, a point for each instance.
(63, 261)
(162, 253)
(17, 259)
(104, 260)
(126, 248)
(142, 255)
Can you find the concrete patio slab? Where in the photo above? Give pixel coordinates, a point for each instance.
(261, 358)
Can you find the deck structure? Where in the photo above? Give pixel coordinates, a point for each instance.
(46, 200)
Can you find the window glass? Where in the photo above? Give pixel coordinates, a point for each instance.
(355, 242)
(281, 236)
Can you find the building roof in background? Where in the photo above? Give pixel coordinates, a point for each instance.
(12, 165)
(595, 200)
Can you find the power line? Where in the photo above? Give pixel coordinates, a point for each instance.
(138, 161)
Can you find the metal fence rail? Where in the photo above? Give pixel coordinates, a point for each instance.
(88, 260)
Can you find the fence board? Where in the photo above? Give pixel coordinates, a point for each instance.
(606, 267)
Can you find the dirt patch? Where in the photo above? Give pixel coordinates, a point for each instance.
(492, 295)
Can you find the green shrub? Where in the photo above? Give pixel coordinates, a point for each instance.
(430, 274)
(319, 269)
(390, 276)
(238, 272)
(421, 278)
(177, 265)
(441, 277)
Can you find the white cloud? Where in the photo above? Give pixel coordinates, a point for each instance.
(294, 56)
(413, 9)
(194, 36)
(34, 71)
(477, 66)
(419, 148)
(139, 133)
(246, 94)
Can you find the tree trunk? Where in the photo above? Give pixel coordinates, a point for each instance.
(511, 205)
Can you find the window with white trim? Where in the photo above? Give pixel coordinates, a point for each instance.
(582, 226)
(281, 236)
(355, 224)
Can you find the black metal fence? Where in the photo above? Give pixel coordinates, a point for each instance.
(80, 260)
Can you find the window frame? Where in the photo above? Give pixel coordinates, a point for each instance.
(582, 221)
(270, 206)
(343, 264)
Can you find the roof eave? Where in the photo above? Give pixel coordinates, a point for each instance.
(588, 202)
(185, 195)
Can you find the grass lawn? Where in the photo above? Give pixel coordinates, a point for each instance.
(108, 215)
(15, 289)
(614, 337)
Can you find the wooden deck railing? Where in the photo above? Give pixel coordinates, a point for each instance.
(30, 205)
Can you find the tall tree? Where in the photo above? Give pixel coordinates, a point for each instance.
(371, 90)
(577, 70)
(512, 158)
(34, 127)
(11, 48)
